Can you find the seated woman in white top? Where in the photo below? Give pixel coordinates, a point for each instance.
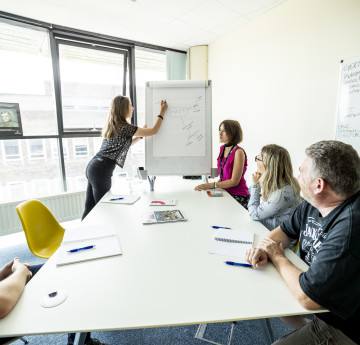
(275, 192)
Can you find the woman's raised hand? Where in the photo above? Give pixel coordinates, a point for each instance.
(163, 107)
(256, 177)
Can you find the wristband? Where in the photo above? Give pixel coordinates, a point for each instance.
(161, 117)
(215, 185)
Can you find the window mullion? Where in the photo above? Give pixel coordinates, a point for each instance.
(57, 88)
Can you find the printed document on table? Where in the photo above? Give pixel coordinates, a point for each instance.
(162, 202)
(233, 243)
(102, 237)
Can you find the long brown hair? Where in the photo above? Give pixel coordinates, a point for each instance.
(119, 109)
(278, 171)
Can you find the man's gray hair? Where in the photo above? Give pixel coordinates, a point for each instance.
(338, 164)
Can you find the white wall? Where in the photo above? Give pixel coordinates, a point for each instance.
(279, 75)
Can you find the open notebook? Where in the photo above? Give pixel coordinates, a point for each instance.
(102, 237)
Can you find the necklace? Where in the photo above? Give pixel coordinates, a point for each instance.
(222, 164)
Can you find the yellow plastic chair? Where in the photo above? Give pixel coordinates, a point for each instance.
(43, 232)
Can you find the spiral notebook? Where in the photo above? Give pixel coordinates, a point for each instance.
(103, 238)
(232, 243)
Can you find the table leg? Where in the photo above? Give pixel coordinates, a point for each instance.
(80, 338)
(268, 333)
(202, 329)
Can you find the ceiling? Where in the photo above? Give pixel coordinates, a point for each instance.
(176, 24)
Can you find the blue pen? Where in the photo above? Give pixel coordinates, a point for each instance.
(116, 199)
(78, 249)
(219, 227)
(237, 264)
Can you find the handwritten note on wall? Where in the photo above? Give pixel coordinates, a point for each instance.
(183, 129)
(348, 117)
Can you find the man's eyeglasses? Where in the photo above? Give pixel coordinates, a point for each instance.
(257, 159)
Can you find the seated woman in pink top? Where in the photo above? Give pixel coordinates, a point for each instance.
(232, 163)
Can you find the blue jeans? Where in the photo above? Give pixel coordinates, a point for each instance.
(98, 172)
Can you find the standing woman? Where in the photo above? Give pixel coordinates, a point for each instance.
(231, 162)
(280, 190)
(118, 136)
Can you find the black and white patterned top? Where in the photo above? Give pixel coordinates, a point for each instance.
(118, 146)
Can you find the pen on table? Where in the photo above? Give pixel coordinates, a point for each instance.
(237, 264)
(116, 199)
(219, 227)
(78, 249)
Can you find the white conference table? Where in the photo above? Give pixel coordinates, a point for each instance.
(164, 277)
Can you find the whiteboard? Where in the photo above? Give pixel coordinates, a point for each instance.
(348, 115)
(183, 145)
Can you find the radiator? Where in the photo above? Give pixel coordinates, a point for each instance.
(65, 207)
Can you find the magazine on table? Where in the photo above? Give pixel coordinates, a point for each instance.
(163, 217)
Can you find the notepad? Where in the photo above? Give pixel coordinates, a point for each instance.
(121, 199)
(232, 243)
(163, 217)
(162, 202)
(103, 237)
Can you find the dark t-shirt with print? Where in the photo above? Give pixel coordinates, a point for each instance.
(331, 247)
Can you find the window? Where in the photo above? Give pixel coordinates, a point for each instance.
(91, 70)
(81, 182)
(11, 150)
(41, 187)
(55, 150)
(17, 190)
(80, 147)
(36, 149)
(90, 78)
(27, 76)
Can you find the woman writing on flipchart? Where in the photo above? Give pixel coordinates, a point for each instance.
(231, 162)
(118, 136)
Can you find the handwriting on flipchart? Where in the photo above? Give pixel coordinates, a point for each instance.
(193, 135)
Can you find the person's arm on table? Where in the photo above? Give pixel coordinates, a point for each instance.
(239, 162)
(14, 277)
(272, 248)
